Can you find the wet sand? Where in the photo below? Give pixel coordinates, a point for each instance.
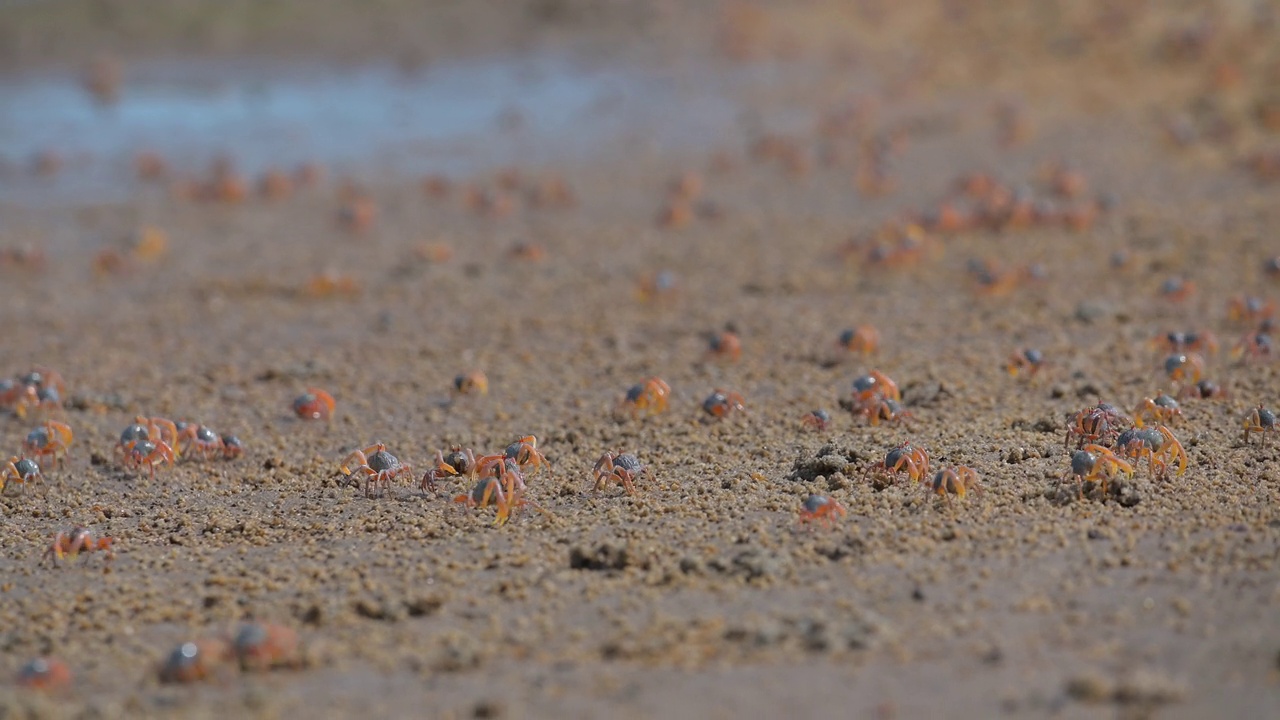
(702, 595)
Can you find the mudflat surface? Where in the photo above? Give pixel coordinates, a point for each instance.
(818, 136)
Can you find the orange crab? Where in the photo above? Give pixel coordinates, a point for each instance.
(488, 202)
(41, 377)
(1156, 443)
(160, 430)
(975, 185)
(1204, 390)
(655, 286)
(357, 215)
(525, 251)
(44, 673)
(1097, 424)
(433, 252)
(1178, 342)
(1163, 409)
(196, 439)
(956, 481)
(375, 466)
(863, 340)
(1026, 361)
(21, 470)
(10, 391)
(148, 244)
(150, 166)
(330, 283)
(436, 186)
(472, 381)
(649, 396)
(149, 454)
(101, 77)
(948, 218)
(1253, 346)
(79, 540)
(1064, 180)
(143, 428)
(225, 184)
(314, 404)
(991, 279)
(1259, 420)
(39, 388)
(907, 249)
(130, 435)
(525, 453)
(193, 661)
(872, 387)
(906, 458)
(457, 462)
(687, 185)
(620, 467)
(46, 163)
(1097, 464)
(721, 404)
(724, 346)
(23, 257)
(264, 646)
(52, 438)
(877, 398)
(1177, 288)
(818, 420)
(886, 409)
(1271, 266)
(504, 489)
(1249, 309)
(307, 175)
(500, 466)
(275, 184)
(1184, 368)
(1081, 216)
(232, 447)
(488, 491)
(821, 509)
(509, 178)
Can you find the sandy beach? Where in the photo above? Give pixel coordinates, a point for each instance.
(206, 211)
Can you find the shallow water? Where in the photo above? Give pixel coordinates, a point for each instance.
(452, 119)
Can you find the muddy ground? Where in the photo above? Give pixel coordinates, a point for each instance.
(702, 595)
